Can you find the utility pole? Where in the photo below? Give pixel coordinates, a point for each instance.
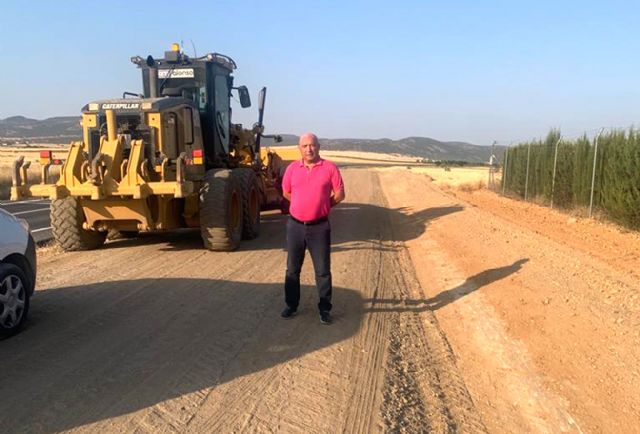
(593, 175)
(555, 163)
(504, 168)
(492, 167)
(526, 181)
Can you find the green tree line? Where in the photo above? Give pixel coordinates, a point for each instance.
(617, 174)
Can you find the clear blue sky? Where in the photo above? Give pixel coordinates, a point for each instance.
(452, 70)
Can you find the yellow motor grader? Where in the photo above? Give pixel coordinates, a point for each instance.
(166, 159)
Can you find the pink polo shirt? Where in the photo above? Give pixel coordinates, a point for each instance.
(311, 188)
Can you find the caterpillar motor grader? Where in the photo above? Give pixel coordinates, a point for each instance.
(166, 159)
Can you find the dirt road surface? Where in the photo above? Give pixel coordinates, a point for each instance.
(453, 313)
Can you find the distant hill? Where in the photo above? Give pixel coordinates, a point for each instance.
(419, 147)
(67, 128)
(51, 130)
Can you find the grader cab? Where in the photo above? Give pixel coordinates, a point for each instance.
(165, 159)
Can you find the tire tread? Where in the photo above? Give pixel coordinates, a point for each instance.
(66, 224)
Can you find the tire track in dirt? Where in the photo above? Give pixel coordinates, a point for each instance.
(424, 389)
(78, 330)
(178, 412)
(114, 314)
(309, 386)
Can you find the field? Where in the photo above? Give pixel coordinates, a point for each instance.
(31, 153)
(459, 177)
(456, 310)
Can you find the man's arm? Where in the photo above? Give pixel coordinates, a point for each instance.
(337, 197)
(337, 190)
(286, 184)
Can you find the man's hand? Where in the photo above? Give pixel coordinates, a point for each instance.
(337, 197)
(287, 195)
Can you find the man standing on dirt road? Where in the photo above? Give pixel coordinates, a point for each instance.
(313, 186)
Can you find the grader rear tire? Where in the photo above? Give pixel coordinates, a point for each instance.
(250, 204)
(221, 210)
(67, 218)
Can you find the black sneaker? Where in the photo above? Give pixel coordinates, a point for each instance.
(289, 312)
(325, 318)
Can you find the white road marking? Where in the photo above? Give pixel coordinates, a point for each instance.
(22, 201)
(30, 211)
(40, 230)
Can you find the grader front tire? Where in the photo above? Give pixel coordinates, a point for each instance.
(67, 218)
(221, 210)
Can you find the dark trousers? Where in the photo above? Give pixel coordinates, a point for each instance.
(316, 238)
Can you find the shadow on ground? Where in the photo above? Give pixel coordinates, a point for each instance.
(108, 349)
(351, 224)
(449, 296)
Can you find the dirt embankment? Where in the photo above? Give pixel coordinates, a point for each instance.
(541, 309)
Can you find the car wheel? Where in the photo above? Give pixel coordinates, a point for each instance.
(14, 299)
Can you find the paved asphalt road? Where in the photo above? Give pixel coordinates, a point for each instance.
(36, 212)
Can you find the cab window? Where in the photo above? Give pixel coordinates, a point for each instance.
(188, 125)
(222, 110)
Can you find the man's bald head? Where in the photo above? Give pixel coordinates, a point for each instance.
(308, 138)
(309, 148)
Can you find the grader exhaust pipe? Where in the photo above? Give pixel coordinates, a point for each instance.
(112, 131)
(153, 77)
(261, 101)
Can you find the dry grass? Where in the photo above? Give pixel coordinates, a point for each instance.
(9, 154)
(49, 248)
(371, 158)
(469, 187)
(34, 178)
(290, 153)
(5, 183)
(462, 178)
